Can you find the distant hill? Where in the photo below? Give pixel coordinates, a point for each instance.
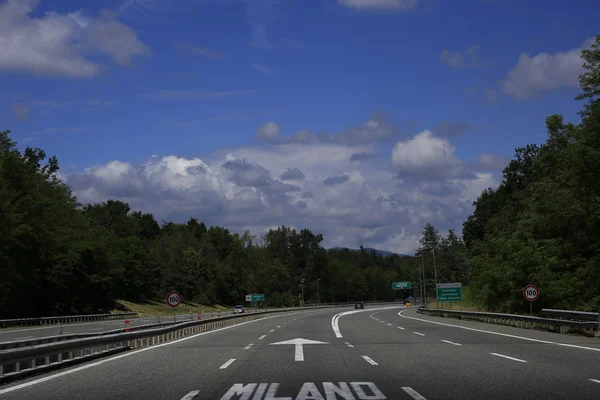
(370, 249)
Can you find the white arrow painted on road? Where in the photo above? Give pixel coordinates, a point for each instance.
(299, 342)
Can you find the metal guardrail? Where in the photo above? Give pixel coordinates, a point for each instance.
(20, 362)
(572, 315)
(520, 321)
(64, 320)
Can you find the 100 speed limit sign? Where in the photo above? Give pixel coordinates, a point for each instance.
(531, 293)
(174, 299)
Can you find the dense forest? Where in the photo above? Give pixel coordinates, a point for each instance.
(540, 226)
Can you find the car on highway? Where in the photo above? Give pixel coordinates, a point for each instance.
(239, 309)
(359, 304)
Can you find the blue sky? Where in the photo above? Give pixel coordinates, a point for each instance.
(104, 81)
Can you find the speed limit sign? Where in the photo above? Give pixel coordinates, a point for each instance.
(174, 299)
(531, 293)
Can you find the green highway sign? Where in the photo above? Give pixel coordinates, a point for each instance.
(257, 297)
(401, 285)
(449, 292)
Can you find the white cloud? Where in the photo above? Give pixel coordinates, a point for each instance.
(397, 5)
(314, 185)
(490, 95)
(544, 72)
(465, 59)
(59, 44)
(269, 132)
(426, 155)
(491, 162)
(262, 68)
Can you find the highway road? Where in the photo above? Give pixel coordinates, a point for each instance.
(375, 353)
(10, 334)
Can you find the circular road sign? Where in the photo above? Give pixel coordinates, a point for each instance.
(531, 293)
(174, 299)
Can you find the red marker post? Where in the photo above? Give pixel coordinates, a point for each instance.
(531, 293)
(126, 325)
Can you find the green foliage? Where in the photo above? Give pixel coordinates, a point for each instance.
(57, 257)
(542, 225)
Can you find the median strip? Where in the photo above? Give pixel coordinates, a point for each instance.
(508, 357)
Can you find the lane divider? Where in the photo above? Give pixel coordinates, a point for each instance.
(413, 393)
(191, 395)
(227, 364)
(250, 345)
(419, 333)
(348, 344)
(262, 337)
(508, 357)
(449, 342)
(335, 320)
(369, 360)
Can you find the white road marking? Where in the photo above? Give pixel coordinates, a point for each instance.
(419, 333)
(348, 344)
(131, 353)
(227, 364)
(279, 326)
(190, 395)
(389, 324)
(595, 380)
(449, 342)
(23, 338)
(272, 330)
(510, 358)
(501, 334)
(250, 345)
(262, 337)
(400, 328)
(413, 393)
(335, 320)
(369, 360)
(97, 329)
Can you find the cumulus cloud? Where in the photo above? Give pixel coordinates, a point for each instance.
(61, 44)
(269, 132)
(314, 185)
(426, 156)
(293, 174)
(491, 162)
(381, 5)
(544, 72)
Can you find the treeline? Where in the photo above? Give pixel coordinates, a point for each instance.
(58, 257)
(542, 224)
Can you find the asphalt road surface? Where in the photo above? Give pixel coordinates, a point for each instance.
(373, 353)
(25, 333)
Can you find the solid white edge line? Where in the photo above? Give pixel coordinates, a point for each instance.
(508, 357)
(227, 364)
(335, 320)
(595, 380)
(413, 393)
(262, 337)
(501, 334)
(190, 395)
(130, 353)
(449, 342)
(369, 360)
(419, 333)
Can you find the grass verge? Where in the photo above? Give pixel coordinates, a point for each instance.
(152, 308)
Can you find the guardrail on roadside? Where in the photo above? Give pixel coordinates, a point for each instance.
(590, 327)
(20, 362)
(63, 320)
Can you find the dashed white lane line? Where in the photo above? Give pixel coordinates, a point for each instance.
(278, 326)
(272, 330)
(348, 344)
(400, 328)
(413, 393)
(369, 360)
(419, 333)
(191, 395)
(227, 364)
(510, 358)
(250, 345)
(389, 324)
(262, 337)
(595, 380)
(449, 342)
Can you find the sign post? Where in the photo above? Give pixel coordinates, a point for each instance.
(174, 299)
(401, 285)
(531, 294)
